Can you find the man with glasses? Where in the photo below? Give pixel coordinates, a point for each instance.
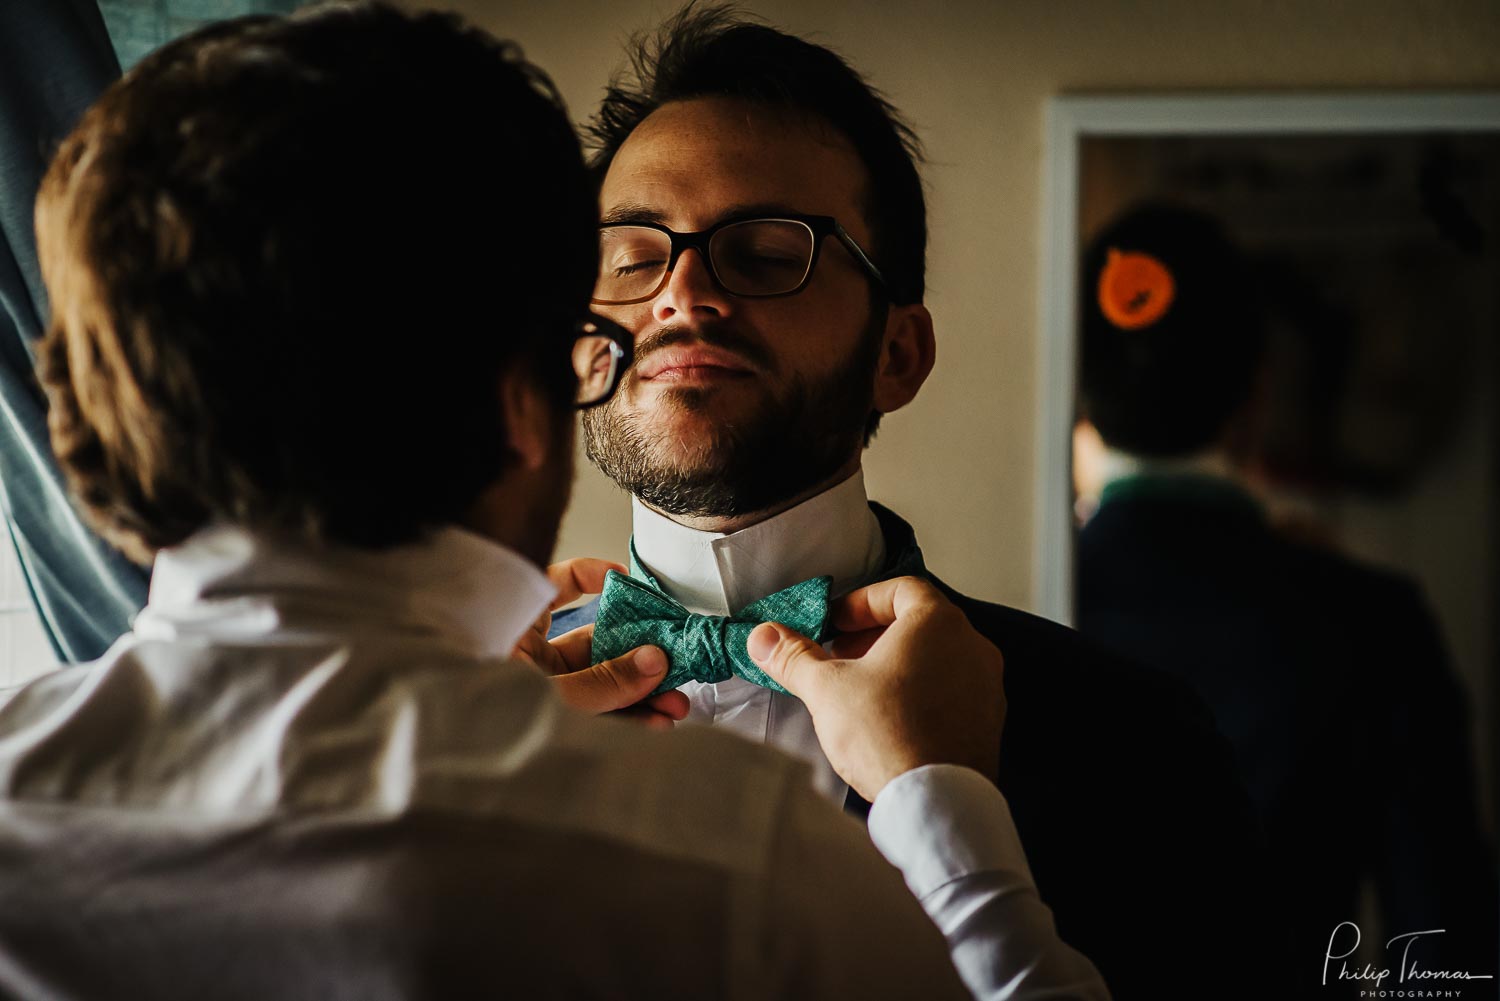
(763, 237)
(277, 366)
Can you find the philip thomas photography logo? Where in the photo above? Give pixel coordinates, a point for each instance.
(1409, 979)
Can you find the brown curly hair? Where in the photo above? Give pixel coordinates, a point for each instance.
(289, 259)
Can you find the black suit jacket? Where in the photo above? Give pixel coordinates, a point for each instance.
(1331, 682)
(1137, 831)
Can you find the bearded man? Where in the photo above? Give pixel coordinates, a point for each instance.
(763, 237)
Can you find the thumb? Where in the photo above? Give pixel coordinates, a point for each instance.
(614, 684)
(787, 656)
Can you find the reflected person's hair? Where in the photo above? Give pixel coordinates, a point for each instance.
(289, 260)
(1173, 387)
(715, 51)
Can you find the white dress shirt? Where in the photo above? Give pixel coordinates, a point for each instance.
(836, 534)
(316, 774)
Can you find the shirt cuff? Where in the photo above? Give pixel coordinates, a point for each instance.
(939, 823)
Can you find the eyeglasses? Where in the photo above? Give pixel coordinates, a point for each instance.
(754, 258)
(602, 352)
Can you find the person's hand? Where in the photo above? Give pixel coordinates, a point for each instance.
(909, 682)
(622, 685)
(573, 579)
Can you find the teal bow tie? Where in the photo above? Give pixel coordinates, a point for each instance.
(634, 611)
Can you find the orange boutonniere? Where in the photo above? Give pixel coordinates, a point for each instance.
(1135, 289)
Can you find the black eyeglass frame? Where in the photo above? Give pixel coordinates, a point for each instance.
(820, 225)
(623, 344)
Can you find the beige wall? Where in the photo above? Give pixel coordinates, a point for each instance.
(974, 77)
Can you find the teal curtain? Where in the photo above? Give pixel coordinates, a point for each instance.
(138, 26)
(56, 56)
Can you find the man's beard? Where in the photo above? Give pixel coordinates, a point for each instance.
(799, 438)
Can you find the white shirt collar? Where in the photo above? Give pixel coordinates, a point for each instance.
(461, 589)
(1118, 465)
(834, 533)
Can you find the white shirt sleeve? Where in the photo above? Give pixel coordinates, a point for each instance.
(950, 832)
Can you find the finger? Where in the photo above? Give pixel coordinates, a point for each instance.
(614, 684)
(882, 603)
(852, 646)
(787, 656)
(575, 647)
(673, 704)
(522, 654)
(537, 652)
(543, 624)
(576, 578)
(651, 720)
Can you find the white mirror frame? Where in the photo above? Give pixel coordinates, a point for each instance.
(1071, 119)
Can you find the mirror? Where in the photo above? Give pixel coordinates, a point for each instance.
(1371, 228)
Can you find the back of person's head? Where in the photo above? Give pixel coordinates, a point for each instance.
(289, 260)
(1171, 332)
(717, 52)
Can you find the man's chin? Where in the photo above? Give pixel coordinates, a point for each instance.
(733, 447)
(686, 442)
(709, 396)
(696, 411)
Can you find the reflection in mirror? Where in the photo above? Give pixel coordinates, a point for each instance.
(1285, 480)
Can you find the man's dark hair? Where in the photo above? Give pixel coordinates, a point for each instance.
(1173, 386)
(715, 51)
(290, 259)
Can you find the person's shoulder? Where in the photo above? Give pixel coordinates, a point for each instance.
(24, 704)
(1026, 636)
(1056, 672)
(1049, 666)
(31, 716)
(698, 794)
(1379, 610)
(998, 621)
(1348, 574)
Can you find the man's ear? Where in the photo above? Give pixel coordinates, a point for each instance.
(906, 357)
(529, 419)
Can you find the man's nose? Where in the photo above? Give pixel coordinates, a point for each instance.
(690, 292)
